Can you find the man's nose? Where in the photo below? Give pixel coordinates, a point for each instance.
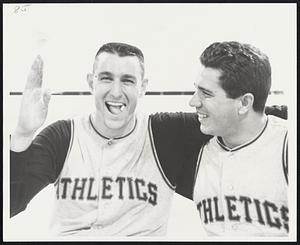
(116, 89)
(195, 101)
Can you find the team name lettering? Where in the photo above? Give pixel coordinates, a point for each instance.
(267, 213)
(232, 208)
(121, 188)
(246, 201)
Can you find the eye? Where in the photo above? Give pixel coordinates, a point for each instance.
(203, 93)
(206, 94)
(105, 79)
(128, 81)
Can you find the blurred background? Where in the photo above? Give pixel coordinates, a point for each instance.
(171, 36)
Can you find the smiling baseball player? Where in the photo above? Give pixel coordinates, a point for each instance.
(241, 182)
(105, 166)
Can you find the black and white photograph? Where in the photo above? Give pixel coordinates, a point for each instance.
(149, 122)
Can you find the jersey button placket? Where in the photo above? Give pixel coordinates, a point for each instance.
(96, 226)
(102, 173)
(227, 186)
(234, 227)
(230, 184)
(106, 171)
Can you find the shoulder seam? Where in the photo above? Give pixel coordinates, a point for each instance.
(156, 157)
(197, 169)
(69, 149)
(285, 157)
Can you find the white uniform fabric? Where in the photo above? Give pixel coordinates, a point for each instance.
(243, 191)
(113, 188)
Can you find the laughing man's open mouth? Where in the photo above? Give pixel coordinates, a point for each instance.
(115, 107)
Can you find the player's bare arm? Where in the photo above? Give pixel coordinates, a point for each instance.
(34, 108)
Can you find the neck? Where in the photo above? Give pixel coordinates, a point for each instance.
(247, 129)
(112, 133)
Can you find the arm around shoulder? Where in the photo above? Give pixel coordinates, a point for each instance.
(278, 111)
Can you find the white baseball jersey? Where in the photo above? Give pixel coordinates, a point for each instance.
(243, 191)
(112, 187)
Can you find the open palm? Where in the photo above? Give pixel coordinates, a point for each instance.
(34, 106)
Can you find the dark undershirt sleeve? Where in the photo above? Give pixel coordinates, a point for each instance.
(39, 165)
(278, 111)
(177, 139)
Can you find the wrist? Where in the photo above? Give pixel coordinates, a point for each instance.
(20, 141)
(20, 132)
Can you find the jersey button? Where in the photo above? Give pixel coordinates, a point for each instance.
(96, 226)
(234, 227)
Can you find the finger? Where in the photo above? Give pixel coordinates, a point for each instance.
(46, 96)
(35, 76)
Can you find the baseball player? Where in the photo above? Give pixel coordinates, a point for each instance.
(241, 181)
(109, 179)
(115, 170)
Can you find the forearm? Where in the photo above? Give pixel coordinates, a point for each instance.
(20, 194)
(30, 172)
(278, 111)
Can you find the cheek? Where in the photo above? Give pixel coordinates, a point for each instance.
(213, 107)
(132, 95)
(133, 102)
(100, 91)
(222, 112)
(227, 115)
(99, 98)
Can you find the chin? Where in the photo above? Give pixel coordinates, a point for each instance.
(205, 130)
(115, 124)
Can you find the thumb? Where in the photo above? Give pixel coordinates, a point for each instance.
(46, 96)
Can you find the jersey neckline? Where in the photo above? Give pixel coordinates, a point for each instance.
(113, 138)
(226, 148)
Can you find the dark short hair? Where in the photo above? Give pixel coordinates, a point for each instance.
(244, 69)
(122, 50)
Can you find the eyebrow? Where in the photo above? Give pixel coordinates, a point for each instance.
(204, 89)
(104, 73)
(129, 76)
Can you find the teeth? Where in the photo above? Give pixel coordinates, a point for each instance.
(115, 103)
(115, 107)
(201, 116)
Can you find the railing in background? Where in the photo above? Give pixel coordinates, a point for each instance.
(274, 92)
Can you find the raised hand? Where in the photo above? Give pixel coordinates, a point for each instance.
(34, 106)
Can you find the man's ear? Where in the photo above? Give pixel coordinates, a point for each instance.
(143, 87)
(245, 103)
(89, 79)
